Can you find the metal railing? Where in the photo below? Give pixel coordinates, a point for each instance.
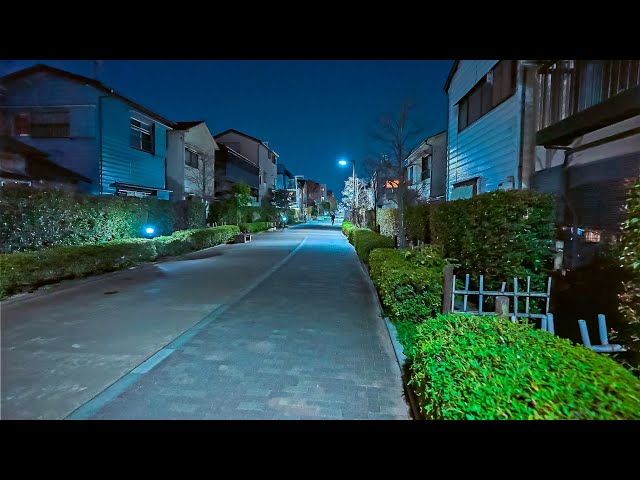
(571, 86)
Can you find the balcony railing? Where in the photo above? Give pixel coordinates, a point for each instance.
(568, 87)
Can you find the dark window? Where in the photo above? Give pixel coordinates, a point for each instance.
(191, 158)
(493, 89)
(426, 167)
(466, 189)
(22, 126)
(50, 124)
(142, 135)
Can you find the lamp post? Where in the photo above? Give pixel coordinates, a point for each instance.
(355, 196)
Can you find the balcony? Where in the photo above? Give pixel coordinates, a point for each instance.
(580, 96)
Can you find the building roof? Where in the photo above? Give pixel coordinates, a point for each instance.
(88, 81)
(186, 125)
(38, 163)
(233, 130)
(451, 74)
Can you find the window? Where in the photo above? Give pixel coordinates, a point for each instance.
(466, 189)
(191, 158)
(410, 175)
(21, 124)
(141, 135)
(493, 89)
(50, 124)
(426, 167)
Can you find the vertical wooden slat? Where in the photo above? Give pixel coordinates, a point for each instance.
(548, 294)
(466, 289)
(480, 295)
(527, 299)
(453, 295)
(515, 296)
(447, 290)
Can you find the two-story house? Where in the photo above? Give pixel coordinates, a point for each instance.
(88, 128)
(587, 147)
(191, 151)
(259, 153)
(232, 167)
(490, 134)
(426, 168)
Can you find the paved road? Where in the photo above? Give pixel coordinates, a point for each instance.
(283, 327)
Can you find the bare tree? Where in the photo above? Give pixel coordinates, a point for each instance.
(200, 181)
(395, 134)
(378, 170)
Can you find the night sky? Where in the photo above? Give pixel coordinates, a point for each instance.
(311, 112)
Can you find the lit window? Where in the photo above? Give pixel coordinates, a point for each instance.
(592, 236)
(141, 135)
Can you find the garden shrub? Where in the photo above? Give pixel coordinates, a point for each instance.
(409, 281)
(22, 271)
(196, 214)
(630, 296)
(254, 227)
(388, 221)
(346, 227)
(416, 222)
(482, 367)
(32, 219)
(364, 240)
(500, 234)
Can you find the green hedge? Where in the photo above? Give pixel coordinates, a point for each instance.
(388, 221)
(501, 234)
(196, 214)
(416, 220)
(32, 219)
(364, 240)
(409, 281)
(346, 228)
(630, 297)
(254, 227)
(23, 271)
(469, 367)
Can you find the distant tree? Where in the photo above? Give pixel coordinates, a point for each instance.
(363, 199)
(379, 170)
(281, 199)
(333, 203)
(395, 135)
(200, 181)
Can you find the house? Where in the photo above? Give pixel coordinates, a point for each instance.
(191, 153)
(288, 181)
(490, 132)
(587, 138)
(232, 167)
(259, 153)
(21, 164)
(426, 168)
(88, 128)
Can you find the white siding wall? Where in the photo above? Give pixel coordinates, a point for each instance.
(489, 148)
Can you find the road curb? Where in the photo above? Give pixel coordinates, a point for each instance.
(401, 359)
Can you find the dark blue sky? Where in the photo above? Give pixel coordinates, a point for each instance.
(311, 112)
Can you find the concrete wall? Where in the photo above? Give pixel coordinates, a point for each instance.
(175, 164)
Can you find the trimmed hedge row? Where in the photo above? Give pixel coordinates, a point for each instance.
(409, 282)
(365, 240)
(470, 367)
(33, 219)
(254, 227)
(23, 271)
(501, 234)
(346, 228)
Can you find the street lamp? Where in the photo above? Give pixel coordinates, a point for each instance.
(355, 197)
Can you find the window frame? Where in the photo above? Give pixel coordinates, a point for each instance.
(465, 183)
(46, 130)
(140, 130)
(428, 161)
(23, 117)
(481, 89)
(191, 154)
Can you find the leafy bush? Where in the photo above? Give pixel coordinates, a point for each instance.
(388, 220)
(364, 240)
(470, 367)
(33, 219)
(409, 281)
(416, 219)
(255, 227)
(501, 234)
(21, 271)
(630, 296)
(346, 227)
(195, 214)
